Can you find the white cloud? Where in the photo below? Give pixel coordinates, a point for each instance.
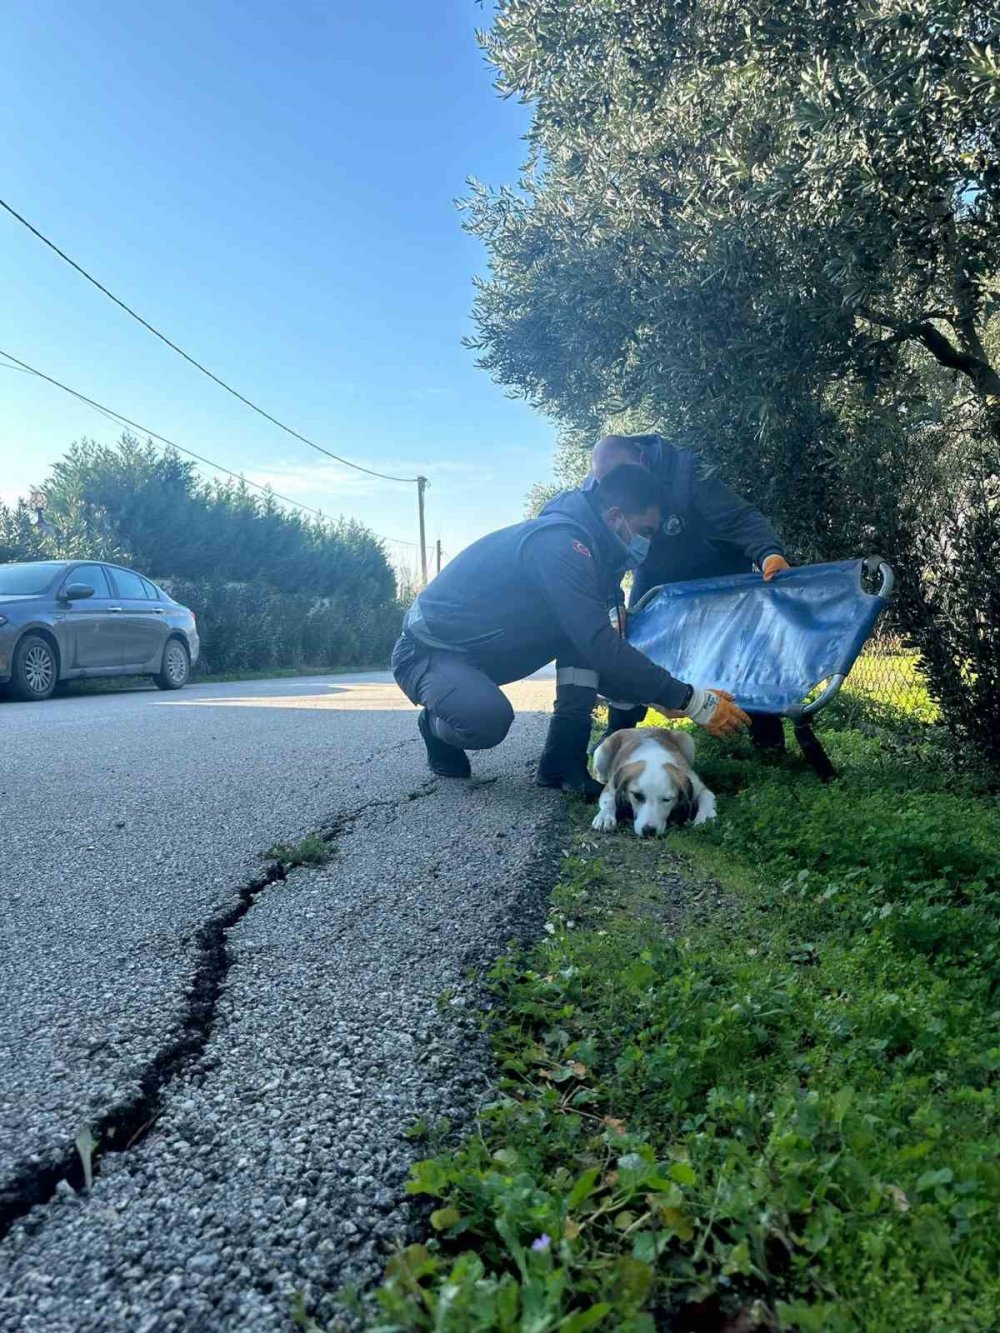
(325, 480)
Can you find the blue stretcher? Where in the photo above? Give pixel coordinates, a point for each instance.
(772, 645)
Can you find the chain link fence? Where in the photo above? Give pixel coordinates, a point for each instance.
(888, 675)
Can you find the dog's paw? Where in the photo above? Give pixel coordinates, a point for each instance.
(604, 822)
(706, 810)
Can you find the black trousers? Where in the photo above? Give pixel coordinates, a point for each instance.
(466, 706)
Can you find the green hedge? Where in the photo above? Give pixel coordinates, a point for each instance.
(246, 627)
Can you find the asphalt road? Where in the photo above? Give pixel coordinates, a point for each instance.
(257, 1047)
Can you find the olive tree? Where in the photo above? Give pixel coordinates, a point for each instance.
(722, 192)
(773, 232)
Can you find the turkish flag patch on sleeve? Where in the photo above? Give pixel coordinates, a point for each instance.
(579, 546)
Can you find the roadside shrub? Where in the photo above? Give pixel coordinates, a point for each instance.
(250, 628)
(952, 609)
(271, 589)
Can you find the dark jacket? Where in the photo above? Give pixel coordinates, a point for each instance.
(709, 530)
(520, 597)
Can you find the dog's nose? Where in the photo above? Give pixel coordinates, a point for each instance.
(649, 831)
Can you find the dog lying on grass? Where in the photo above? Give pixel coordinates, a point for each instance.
(648, 772)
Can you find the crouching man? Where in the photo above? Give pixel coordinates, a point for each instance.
(520, 597)
(706, 530)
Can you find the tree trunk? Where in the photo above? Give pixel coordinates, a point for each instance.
(983, 378)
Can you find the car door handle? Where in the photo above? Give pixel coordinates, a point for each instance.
(158, 611)
(115, 608)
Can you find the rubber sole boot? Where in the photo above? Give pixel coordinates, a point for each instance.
(564, 760)
(586, 786)
(447, 761)
(767, 732)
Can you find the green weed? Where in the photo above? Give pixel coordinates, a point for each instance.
(311, 850)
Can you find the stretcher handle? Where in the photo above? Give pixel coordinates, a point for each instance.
(874, 564)
(646, 598)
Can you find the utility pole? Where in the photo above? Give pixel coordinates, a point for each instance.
(421, 487)
(439, 555)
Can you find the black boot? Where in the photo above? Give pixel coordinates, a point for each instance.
(564, 760)
(447, 761)
(623, 719)
(767, 732)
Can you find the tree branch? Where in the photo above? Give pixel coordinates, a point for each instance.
(884, 322)
(982, 374)
(984, 379)
(963, 291)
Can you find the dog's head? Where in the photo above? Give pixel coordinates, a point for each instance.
(657, 791)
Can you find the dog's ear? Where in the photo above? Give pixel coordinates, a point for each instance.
(607, 752)
(685, 808)
(683, 743)
(622, 777)
(612, 744)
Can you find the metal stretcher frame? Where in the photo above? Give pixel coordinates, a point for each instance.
(801, 712)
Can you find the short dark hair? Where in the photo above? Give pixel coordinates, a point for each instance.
(630, 488)
(632, 442)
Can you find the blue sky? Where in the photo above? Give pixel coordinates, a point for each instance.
(271, 183)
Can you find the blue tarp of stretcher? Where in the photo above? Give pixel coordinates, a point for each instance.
(769, 644)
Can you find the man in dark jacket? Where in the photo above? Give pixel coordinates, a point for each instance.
(706, 530)
(522, 596)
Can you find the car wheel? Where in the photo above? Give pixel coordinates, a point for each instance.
(36, 669)
(176, 666)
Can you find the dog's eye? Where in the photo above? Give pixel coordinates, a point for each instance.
(638, 796)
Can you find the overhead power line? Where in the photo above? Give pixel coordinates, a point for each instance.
(123, 420)
(358, 467)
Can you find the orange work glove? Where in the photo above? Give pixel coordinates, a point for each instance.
(773, 564)
(717, 712)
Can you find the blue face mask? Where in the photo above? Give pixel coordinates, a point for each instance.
(636, 548)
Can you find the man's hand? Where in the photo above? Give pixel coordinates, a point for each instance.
(773, 564)
(716, 711)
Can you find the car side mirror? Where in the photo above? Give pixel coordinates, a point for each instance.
(76, 592)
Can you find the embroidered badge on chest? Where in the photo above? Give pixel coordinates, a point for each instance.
(673, 525)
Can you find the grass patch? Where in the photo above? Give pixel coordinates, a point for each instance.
(311, 850)
(773, 1104)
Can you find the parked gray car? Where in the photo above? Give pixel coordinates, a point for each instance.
(66, 619)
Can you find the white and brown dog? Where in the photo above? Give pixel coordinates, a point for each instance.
(649, 771)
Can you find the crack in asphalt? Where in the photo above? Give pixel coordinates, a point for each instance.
(126, 1124)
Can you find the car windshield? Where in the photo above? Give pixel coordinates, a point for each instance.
(28, 579)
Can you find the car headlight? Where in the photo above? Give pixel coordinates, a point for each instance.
(3, 621)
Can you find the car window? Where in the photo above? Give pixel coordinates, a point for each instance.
(91, 576)
(29, 579)
(129, 585)
(151, 591)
